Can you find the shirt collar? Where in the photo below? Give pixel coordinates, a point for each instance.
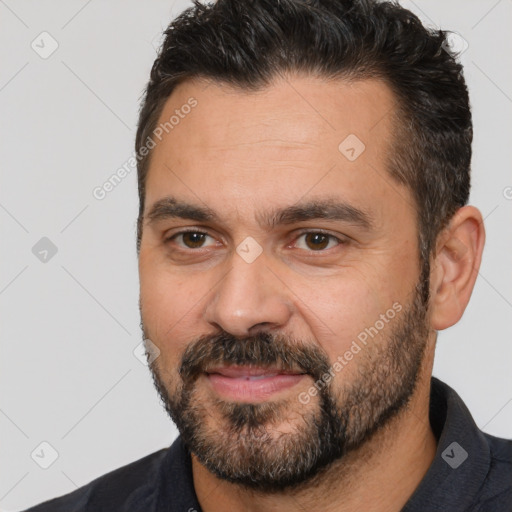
(176, 491)
(462, 459)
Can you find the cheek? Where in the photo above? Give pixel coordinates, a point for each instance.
(169, 308)
(338, 309)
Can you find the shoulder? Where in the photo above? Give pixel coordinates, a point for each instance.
(122, 489)
(496, 493)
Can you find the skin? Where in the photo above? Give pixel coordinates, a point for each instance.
(244, 154)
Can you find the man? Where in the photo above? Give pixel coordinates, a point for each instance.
(303, 234)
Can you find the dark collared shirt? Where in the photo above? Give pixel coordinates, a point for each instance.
(472, 471)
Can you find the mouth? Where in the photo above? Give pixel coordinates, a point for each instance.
(251, 383)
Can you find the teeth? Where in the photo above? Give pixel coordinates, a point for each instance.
(259, 377)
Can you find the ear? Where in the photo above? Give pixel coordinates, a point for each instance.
(455, 266)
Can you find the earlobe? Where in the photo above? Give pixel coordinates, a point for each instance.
(455, 267)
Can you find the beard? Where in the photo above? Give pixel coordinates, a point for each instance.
(276, 445)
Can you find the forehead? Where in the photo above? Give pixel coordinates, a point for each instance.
(294, 110)
(300, 135)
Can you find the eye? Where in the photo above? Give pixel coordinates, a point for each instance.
(317, 241)
(191, 239)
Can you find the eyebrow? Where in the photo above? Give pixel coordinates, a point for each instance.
(169, 207)
(326, 209)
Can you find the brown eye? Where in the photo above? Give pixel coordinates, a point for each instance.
(193, 239)
(189, 239)
(316, 241)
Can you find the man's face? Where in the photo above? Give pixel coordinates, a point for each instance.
(279, 275)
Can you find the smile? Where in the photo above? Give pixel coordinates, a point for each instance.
(251, 384)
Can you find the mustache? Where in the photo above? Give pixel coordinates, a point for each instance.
(264, 350)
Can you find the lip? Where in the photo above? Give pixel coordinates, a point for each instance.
(250, 371)
(251, 383)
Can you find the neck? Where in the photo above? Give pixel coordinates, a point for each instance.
(379, 476)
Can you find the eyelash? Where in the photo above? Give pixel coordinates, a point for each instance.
(340, 241)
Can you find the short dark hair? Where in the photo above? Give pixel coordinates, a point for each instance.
(248, 43)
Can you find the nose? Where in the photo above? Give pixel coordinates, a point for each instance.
(248, 299)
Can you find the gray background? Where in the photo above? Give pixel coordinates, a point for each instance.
(69, 325)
